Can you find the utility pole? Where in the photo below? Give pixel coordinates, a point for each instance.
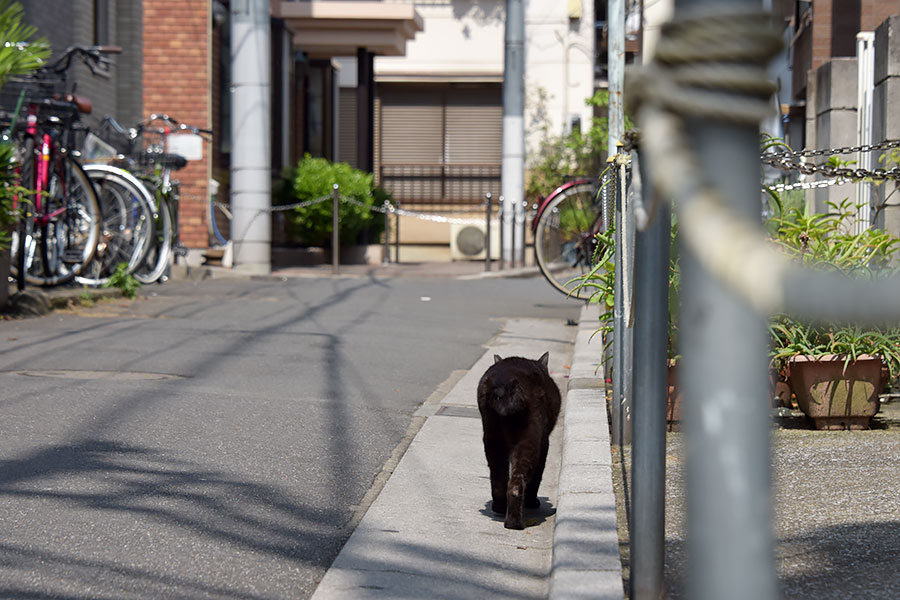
(615, 36)
(513, 166)
(251, 154)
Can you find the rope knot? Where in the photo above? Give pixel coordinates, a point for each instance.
(710, 66)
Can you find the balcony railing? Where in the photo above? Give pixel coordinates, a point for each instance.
(438, 185)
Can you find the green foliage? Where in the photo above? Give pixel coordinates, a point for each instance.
(600, 282)
(125, 281)
(7, 215)
(562, 156)
(828, 242)
(19, 54)
(312, 179)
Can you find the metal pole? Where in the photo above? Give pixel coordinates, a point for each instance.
(513, 152)
(501, 213)
(251, 157)
(397, 233)
(335, 227)
(615, 72)
(620, 416)
(487, 232)
(648, 450)
(386, 259)
(724, 344)
(521, 234)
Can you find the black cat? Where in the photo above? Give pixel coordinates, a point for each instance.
(519, 404)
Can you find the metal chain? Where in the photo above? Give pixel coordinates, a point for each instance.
(804, 185)
(788, 164)
(885, 145)
(305, 204)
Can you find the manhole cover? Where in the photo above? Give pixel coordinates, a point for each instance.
(99, 375)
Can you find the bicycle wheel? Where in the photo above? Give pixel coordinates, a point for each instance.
(127, 210)
(156, 261)
(63, 237)
(564, 237)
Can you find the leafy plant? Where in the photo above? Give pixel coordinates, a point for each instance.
(125, 281)
(562, 156)
(313, 179)
(827, 241)
(600, 281)
(19, 54)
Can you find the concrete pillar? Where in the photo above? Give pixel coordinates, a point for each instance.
(885, 116)
(836, 123)
(251, 155)
(810, 137)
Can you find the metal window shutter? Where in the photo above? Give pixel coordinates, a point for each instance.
(474, 125)
(411, 125)
(411, 129)
(473, 142)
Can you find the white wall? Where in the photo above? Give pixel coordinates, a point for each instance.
(559, 57)
(462, 40)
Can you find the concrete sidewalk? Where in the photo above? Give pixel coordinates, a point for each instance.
(430, 532)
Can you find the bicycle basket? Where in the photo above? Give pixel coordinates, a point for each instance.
(21, 91)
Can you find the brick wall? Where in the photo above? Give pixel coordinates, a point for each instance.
(874, 12)
(176, 82)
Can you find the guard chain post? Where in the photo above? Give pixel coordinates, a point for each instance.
(698, 107)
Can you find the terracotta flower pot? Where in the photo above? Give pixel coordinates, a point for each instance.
(834, 397)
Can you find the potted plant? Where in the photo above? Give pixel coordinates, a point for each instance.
(835, 369)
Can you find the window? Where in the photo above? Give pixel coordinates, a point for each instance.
(101, 22)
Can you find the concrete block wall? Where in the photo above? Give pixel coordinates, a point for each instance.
(886, 120)
(836, 121)
(176, 81)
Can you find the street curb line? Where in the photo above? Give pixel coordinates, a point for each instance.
(586, 562)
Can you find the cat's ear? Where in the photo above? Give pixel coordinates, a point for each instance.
(497, 358)
(544, 359)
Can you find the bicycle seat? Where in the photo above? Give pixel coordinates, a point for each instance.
(84, 105)
(166, 160)
(173, 161)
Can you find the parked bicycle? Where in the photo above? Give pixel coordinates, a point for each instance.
(565, 229)
(149, 159)
(58, 212)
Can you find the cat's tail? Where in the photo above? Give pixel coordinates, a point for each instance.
(507, 401)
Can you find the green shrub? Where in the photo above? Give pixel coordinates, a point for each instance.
(312, 179)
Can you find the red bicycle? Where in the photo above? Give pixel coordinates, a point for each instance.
(565, 229)
(59, 216)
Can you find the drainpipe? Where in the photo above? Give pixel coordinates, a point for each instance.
(251, 154)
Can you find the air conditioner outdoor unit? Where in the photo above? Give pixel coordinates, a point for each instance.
(467, 241)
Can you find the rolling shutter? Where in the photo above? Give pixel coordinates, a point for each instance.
(439, 142)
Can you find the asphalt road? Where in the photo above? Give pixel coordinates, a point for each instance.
(216, 439)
